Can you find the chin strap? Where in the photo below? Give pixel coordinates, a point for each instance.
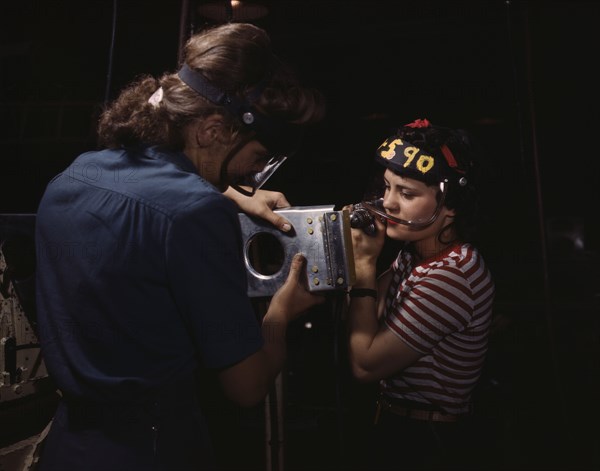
(223, 177)
(243, 191)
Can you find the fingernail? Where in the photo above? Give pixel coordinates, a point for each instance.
(286, 227)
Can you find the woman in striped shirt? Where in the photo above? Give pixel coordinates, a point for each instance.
(421, 328)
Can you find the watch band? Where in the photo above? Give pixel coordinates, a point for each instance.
(362, 292)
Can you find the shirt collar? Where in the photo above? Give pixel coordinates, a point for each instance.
(175, 157)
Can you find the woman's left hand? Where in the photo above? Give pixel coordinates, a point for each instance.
(262, 205)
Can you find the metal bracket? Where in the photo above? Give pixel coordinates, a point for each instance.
(321, 234)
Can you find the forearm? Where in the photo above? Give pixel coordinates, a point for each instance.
(375, 352)
(275, 346)
(362, 317)
(274, 350)
(248, 382)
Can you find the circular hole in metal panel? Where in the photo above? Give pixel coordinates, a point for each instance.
(265, 254)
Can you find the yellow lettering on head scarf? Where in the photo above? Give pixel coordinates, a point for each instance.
(391, 149)
(425, 163)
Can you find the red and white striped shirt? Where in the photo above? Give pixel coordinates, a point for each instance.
(441, 308)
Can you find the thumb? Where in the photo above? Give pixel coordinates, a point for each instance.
(296, 268)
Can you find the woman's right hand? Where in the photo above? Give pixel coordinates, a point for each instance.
(366, 247)
(294, 298)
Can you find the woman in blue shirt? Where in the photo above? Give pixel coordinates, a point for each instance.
(140, 275)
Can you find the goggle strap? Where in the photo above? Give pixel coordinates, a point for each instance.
(203, 87)
(197, 82)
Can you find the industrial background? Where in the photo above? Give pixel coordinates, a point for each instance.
(519, 75)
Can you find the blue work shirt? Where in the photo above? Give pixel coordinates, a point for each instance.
(140, 275)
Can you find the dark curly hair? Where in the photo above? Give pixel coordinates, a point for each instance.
(234, 57)
(463, 198)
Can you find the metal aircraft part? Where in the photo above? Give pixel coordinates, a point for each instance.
(20, 357)
(321, 234)
(28, 396)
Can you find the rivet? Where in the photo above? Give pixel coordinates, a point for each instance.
(333, 217)
(315, 269)
(309, 220)
(316, 281)
(310, 230)
(340, 281)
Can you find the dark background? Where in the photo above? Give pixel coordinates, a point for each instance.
(519, 75)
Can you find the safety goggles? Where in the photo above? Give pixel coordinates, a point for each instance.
(255, 181)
